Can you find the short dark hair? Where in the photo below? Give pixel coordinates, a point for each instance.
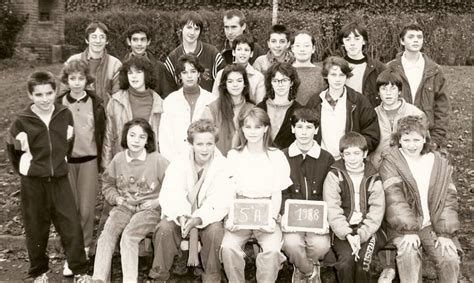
(279, 28)
(140, 63)
(354, 28)
(411, 26)
(244, 39)
(313, 40)
(305, 114)
(40, 78)
(192, 17)
(74, 66)
(189, 58)
(137, 28)
(236, 13)
(97, 25)
(285, 69)
(352, 139)
(335, 61)
(202, 126)
(389, 77)
(150, 145)
(412, 123)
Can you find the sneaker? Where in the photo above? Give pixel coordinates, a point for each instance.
(43, 278)
(387, 275)
(82, 278)
(66, 271)
(297, 277)
(316, 275)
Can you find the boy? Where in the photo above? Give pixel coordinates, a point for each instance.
(191, 26)
(234, 26)
(309, 165)
(356, 204)
(104, 67)
(242, 51)
(139, 38)
(423, 82)
(40, 139)
(341, 109)
(279, 44)
(354, 38)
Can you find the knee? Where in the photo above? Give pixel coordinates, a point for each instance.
(215, 230)
(408, 253)
(165, 228)
(345, 262)
(290, 246)
(447, 261)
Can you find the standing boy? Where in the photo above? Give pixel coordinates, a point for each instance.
(356, 204)
(103, 66)
(234, 26)
(423, 82)
(139, 38)
(279, 44)
(191, 25)
(40, 139)
(309, 165)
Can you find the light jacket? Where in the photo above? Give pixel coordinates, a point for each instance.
(404, 213)
(176, 119)
(119, 112)
(430, 97)
(338, 192)
(214, 197)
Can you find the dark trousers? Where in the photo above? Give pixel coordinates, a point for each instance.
(46, 200)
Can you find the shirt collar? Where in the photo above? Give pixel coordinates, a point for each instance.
(322, 95)
(141, 157)
(314, 152)
(83, 98)
(250, 69)
(420, 63)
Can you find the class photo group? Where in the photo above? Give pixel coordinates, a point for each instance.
(219, 146)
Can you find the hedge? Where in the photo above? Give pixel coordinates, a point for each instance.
(448, 37)
(11, 24)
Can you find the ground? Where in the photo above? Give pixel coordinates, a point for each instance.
(13, 257)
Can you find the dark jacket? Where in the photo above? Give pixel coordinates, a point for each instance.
(360, 117)
(369, 81)
(430, 97)
(284, 137)
(45, 147)
(99, 119)
(307, 173)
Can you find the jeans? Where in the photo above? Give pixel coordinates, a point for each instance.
(134, 226)
(305, 249)
(268, 261)
(409, 262)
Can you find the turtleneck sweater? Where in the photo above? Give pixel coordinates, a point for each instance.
(358, 70)
(141, 103)
(356, 176)
(191, 94)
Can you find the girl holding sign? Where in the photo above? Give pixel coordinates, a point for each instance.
(259, 172)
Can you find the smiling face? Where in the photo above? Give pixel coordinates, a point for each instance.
(336, 78)
(254, 132)
(412, 144)
(191, 33)
(281, 85)
(97, 41)
(303, 48)
(138, 43)
(203, 145)
(76, 82)
(304, 133)
(43, 97)
(232, 28)
(136, 140)
(189, 76)
(136, 78)
(235, 83)
(278, 44)
(353, 157)
(413, 40)
(242, 53)
(389, 94)
(353, 44)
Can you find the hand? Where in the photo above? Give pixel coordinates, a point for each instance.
(191, 223)
(270, 228)
(446, 244)
(120, 200)
(182, 221)
(230, 226)
(354, 242)
(149, 204)
(410, 241)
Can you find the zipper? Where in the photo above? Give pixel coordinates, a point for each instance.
(306, 187)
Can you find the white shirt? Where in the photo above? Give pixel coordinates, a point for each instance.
(355, 82)
(333, 124)
(414, 73)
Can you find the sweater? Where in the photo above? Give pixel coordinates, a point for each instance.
(312, 83)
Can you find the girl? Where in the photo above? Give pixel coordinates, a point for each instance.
(282, 84)
(182, 107)
(136, 99)
(233, 96)
(89, 119)
(258, 171)
(421, 203)
(131, 184)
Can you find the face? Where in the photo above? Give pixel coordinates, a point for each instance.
(136, 139)
(235, 83)
(43, 97)
(136, 78)
(412, 143)
(138, 43)
(232, 28)
(189, 76)
(203, 146)
(303, 48)
(336, 78)
(281, 84)
(413, 40)
(389, 94)
(278, 44)
(254, 132)
(304, 133)
(242, 53)
(353, 157)
(353, 44)
(76, 82)
(97, 41)
(191, 33)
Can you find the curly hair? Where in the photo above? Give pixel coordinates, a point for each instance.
(412, 123)
(139, 63)
(202, 126)
(76, 66)
(336, 61)
(285, 69)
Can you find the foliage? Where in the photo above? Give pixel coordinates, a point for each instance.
(10, 25)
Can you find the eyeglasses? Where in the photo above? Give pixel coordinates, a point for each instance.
(282, 81)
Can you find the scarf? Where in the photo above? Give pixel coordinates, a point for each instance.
(102, 83)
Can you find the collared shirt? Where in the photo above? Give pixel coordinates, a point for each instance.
(141, 157)
(414, 73)
(314, 151)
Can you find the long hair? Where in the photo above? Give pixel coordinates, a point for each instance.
(285, 69)
(260, 117)
(139, 63)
